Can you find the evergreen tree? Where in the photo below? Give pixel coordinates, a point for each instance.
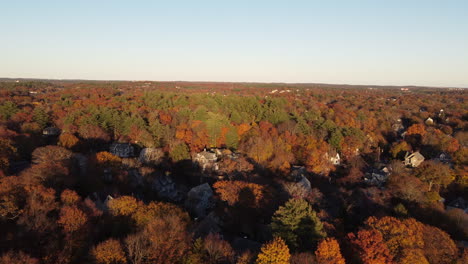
(297, 224)
(41, 117)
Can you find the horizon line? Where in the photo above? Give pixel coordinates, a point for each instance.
(240, 82)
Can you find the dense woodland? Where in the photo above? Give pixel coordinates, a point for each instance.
(179, 172)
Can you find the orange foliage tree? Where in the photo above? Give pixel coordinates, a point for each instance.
(370, 247)
(20, 257)
(109, 252)
(50, 153)
(438, 246)
(146, 213)
(69, 197)
(217, 249)
(68, 140)
(164, 240)
(404, 238)
(416, 129)
(328, 252)
(105, 158)
(72, 219)
(234, 192)
(40, 202)
(314, 154)
(6, 151)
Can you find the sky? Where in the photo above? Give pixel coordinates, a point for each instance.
(409, 42)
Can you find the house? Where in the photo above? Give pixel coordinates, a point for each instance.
(299, 176)
(335, 159)
(207, 160)
(166, 188)
(377, 177)
(122, 150)
(414, 160)
(199, 200)
(297, 172)
(51, 131)
(101, 200)
(429, 121)
(444, 157)
(441, 113)
(459, 203)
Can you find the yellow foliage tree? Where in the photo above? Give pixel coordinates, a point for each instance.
(124, 205)
(275, 252)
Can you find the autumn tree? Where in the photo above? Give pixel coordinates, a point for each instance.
(69, 197)
(107, 159)
(232, 192)
(164, 240)
(218, 250)
(72, 219)
(247, 257)
(370, 247)
(161, 230)
(146, 213)
(314, 154)
(123, 206)
(435, 173)
(328, 252)
(303, 258)
(36, 215)
(7, 150)
(11, 197)
(403, 238)
(109, 252)
(50, 153)
(274, 252)
(297, 223)
(12, 257)
(407, 187)
(416, 129)
(136, 246)
(438, 246)
(51, 174)
(93, 132)
(68, 140)
(399, 148)
(258, 148)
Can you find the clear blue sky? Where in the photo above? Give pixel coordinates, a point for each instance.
(410, 42)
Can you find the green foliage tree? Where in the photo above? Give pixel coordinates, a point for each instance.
(180, 152)
(298, 224)
(41, 116)
(8, 109)
(232, 138)
(214, 123)
(336, 138)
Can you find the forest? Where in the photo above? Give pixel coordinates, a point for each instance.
(110, 172)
